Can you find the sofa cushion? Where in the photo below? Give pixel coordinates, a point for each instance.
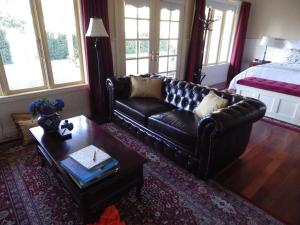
(178, 125)
(139, 109)
(145, 87)
(24, 122)
(209, 104)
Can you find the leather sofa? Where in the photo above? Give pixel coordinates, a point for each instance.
(204, 146)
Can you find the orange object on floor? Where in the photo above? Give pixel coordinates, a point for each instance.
(110, 216)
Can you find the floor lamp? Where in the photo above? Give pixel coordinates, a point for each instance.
(97, 30)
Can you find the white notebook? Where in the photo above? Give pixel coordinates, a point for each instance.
(90, 156)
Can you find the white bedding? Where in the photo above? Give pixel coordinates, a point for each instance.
(289, 73)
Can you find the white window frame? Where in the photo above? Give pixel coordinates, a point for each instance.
(117, 29)
(43, 53)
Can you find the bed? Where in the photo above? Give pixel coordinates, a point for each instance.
(284, 72)
(280, 105)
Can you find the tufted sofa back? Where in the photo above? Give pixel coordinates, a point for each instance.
(181, 94)
(187, 96)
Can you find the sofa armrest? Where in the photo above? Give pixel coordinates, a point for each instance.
(246, 111)
(117, 88)
(120, 87)
(225, 134)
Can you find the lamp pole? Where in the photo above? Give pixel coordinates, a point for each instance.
(99, 61)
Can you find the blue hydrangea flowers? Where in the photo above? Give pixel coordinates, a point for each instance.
(46, 106)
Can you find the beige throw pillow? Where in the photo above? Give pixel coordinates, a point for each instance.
(145, 87)
(209, 104)
(23, 122)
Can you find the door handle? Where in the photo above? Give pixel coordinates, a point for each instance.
(152, 56)
(156, 56)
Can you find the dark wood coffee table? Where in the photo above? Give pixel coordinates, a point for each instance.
(93, 199)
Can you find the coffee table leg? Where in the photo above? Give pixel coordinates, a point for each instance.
(84, 212)
(140, 185)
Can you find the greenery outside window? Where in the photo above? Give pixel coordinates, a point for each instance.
(40, 45)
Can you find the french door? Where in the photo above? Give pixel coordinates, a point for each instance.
(152, 36)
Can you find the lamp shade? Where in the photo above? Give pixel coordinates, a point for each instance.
(96, 28)
(267, 41)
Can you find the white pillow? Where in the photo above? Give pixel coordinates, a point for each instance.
(292, 44)
(294, 57)
(209, 104)
(286, 56)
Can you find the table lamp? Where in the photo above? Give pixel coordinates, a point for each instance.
(266, 41)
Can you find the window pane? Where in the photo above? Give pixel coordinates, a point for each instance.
(205, 49)
(175, 14)
(143, 66)
(143, 28)
(171, 74)
(174, 30)
(131, 67)
(144, 48)
(163, 47)
(164, 14)
(163, 74)
(143, 13)
(130, 28)
(163, 64)
(60, 27)
(130, 11)
(131, 49)
(18, 46)
(172, 63)
(173, 47)
(164, 29)
(226, 39)
(206, 11)
(215, 37)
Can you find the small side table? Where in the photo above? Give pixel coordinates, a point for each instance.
(257, 63)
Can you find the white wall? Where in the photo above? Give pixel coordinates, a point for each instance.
(254, 50)
(76, 103)
(275, 18)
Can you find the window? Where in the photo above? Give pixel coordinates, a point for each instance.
(40, 45)
(137, 39)
(219, 38)
(168, 40)
(152, 36)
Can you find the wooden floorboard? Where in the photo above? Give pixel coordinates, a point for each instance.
(268, 174)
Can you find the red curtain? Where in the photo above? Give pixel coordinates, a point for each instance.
(197, 42)
(239, 41)
(98, 93)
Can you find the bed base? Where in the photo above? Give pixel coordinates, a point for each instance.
(279, 106)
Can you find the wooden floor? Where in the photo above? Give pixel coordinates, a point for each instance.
(268, 174)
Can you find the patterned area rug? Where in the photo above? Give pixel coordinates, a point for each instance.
(30, 194)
